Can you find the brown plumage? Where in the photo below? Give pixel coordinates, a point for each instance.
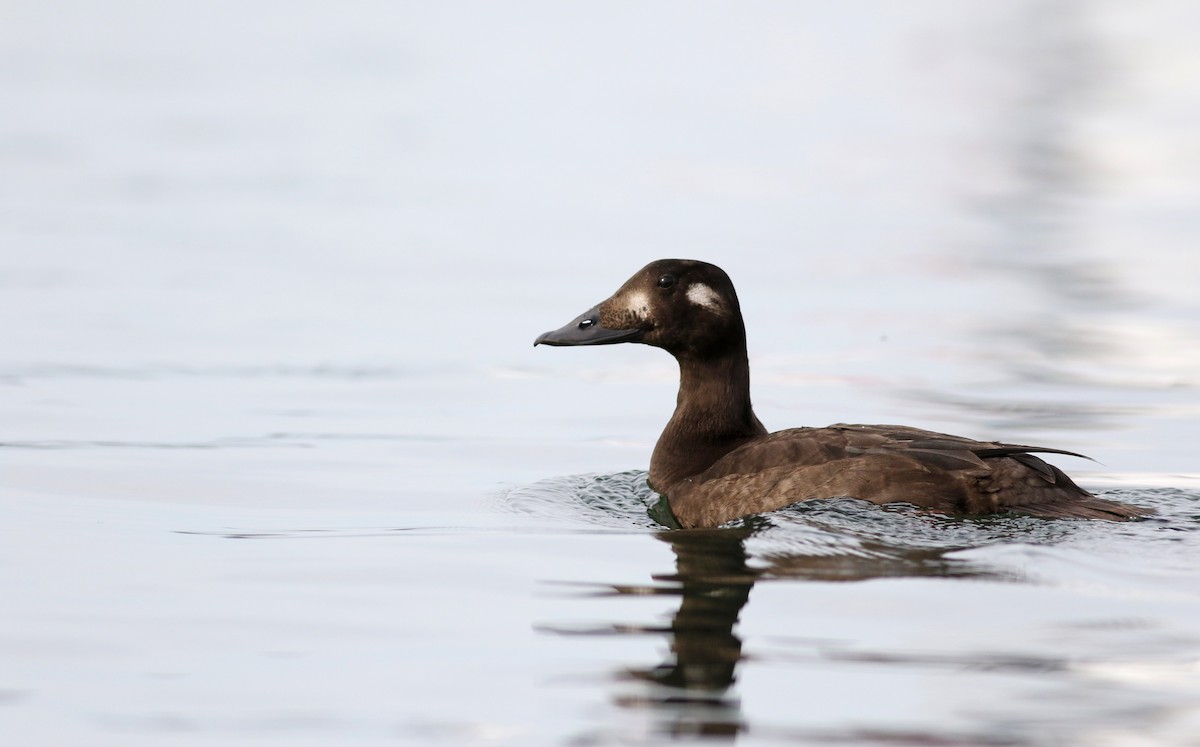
(716, 462)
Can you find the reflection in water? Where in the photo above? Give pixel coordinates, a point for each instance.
(689, 693)
(1061, 69)
(1071, 316)
(713, 582)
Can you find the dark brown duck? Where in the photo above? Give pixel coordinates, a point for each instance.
(716, 462)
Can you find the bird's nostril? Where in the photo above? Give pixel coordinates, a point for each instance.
(586, 323)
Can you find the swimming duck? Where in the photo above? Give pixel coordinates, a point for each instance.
(715, 461)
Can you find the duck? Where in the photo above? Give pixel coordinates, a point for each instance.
(715, 462)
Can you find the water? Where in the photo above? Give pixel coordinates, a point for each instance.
(280, 465)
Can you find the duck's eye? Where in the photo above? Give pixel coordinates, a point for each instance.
(666, 281)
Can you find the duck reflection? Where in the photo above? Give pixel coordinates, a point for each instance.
(691, 692)
(713, 581)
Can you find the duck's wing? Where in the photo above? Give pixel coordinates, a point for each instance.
(815, 446)
(945, 451)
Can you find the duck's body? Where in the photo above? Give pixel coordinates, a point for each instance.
(883, 464)
(716, 462)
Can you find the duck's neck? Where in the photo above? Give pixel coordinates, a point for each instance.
(712, 417)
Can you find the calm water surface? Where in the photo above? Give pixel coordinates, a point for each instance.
(278, 464)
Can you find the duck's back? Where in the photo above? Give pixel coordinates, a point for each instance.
(884, 464)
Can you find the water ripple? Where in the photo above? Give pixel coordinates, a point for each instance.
(844, 539)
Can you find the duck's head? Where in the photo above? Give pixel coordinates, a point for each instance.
(681, 305)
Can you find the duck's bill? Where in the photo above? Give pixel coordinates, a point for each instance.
(585, 329)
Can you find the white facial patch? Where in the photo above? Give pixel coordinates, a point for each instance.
(638, 304)
(701, 295)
